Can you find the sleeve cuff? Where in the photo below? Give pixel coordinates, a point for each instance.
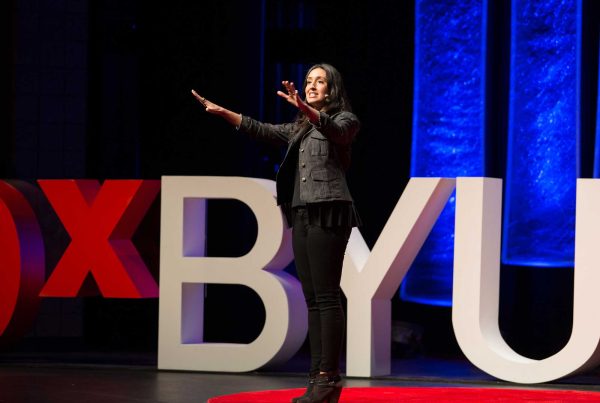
(319, 123)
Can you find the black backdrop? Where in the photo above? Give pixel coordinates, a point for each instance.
(160, 53)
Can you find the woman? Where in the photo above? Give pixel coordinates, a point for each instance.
(312, 190)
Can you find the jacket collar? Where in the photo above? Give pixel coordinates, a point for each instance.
(302, 133)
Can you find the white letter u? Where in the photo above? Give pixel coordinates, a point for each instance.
(477, 282)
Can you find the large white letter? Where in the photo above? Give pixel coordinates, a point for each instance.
(184, 270)
(477, 280)
(371, 279)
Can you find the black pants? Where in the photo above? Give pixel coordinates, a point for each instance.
(319, 254)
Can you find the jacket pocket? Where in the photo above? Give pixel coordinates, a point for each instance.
(319, 145)
(327, 184)
(323, 175)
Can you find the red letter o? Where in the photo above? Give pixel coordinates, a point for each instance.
(21, 262)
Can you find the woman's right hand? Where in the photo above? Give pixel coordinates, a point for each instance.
(209, 106)
(231, 117)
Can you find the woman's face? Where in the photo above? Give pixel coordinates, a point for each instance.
(316, 88)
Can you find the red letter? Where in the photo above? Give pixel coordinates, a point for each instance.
(101, 221)
(21, 262)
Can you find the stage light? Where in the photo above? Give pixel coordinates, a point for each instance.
(543, 137)
(448, 125)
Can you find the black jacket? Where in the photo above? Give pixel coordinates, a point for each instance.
(320, 153)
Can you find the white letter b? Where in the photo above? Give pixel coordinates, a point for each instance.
(184, 269)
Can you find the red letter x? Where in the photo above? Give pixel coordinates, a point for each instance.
(101, 221)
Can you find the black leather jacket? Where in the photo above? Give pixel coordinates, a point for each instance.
(320, 153)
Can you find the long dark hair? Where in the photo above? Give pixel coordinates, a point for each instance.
(337, 99)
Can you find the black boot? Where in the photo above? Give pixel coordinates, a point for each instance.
(312, 377)
(327, 389)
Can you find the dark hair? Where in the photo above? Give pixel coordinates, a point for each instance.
(337, 99)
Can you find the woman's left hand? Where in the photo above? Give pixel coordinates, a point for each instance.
(293, 98)
(292, 95)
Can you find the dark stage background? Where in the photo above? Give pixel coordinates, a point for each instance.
(101, 89)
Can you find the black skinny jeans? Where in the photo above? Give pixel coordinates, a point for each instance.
(319, 254)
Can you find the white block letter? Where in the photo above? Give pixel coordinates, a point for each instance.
(184, 270)
(371, 279)
(477, 280)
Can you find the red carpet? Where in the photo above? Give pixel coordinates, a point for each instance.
(375, 395)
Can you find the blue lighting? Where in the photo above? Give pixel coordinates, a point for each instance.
(543, 155)
(448, 125)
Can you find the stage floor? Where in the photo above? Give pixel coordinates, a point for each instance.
(115, 378)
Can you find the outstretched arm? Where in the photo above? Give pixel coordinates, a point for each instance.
(276, 134)
(340, 129)
(231, 117)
